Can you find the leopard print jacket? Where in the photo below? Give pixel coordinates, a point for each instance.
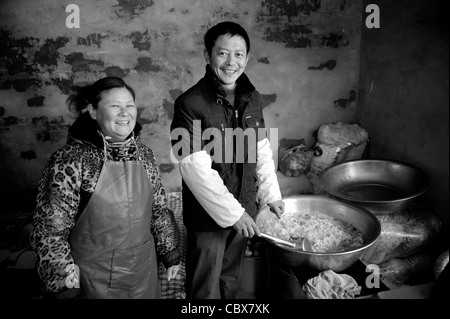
(67, 183)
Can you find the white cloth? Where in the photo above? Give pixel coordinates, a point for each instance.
(210, 191)
(330, 285)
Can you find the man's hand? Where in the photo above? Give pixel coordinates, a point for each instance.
(246, 226)
(277, 207)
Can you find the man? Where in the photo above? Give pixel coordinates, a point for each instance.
(223, 186)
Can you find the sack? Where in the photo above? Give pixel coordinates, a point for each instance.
(341, 134)
(403, 234)
(326, 155)
(399, 272)
(338, 142)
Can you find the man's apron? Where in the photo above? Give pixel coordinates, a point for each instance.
(111, 241)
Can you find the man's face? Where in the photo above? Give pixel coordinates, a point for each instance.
(228, 59)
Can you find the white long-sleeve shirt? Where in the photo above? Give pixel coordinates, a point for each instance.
(210, 191)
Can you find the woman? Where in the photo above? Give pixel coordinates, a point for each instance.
(101, 216)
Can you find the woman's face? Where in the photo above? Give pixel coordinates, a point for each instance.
(116, 113)
(228, 59)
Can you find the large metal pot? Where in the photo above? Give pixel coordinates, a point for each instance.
(360, 218)
(381, 186)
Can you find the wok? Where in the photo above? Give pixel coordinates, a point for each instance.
(381, 186)
(358, 217)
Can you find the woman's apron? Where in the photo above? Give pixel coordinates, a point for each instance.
(111, 241)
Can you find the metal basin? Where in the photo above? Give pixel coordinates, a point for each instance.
(360, 218)
(381, 186)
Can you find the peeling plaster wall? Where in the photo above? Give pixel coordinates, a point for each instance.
(304, 60)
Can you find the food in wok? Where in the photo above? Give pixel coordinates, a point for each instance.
(326, 234)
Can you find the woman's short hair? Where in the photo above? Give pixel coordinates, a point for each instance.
(84, 95)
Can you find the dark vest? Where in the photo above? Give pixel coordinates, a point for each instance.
(237, 164)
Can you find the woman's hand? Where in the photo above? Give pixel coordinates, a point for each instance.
(172, 271)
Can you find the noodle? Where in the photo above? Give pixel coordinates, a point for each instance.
(326, 234)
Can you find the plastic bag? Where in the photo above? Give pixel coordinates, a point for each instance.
(294, 157)
(403, 234)
(399, 272)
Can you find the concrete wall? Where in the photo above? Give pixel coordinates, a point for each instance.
(305, 62)
(404, 85)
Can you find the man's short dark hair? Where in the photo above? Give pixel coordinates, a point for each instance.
(226, 27)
